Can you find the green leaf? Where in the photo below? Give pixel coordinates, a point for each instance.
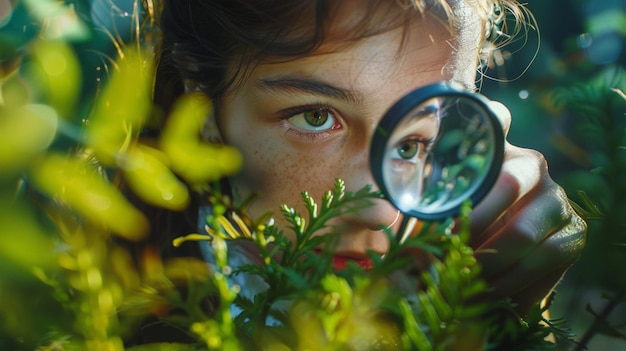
(165, 347)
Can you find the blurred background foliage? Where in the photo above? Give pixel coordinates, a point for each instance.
(567, 105)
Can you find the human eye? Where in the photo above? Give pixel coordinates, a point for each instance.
(406, 160)
(313, 119)
(410, 150)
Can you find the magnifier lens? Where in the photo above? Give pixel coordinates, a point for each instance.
(436, 148)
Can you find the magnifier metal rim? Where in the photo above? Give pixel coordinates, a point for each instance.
(395, 114)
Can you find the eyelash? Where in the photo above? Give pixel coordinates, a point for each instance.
(311, 135)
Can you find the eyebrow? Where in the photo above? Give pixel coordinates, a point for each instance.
(306, 85)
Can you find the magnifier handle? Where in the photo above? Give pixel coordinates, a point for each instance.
(406, 228)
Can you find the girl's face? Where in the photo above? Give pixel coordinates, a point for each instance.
(301, 124)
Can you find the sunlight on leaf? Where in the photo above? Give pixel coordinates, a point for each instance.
(21, 239)
(152, 180)
(15, 91)
(345, 318)
(25, 132)
(162, 346)
(191, 237)
(619, 92)
(192, 159)
(75, 183)
(57, 71)
(122, 108)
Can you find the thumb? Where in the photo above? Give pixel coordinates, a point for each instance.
(503, 114)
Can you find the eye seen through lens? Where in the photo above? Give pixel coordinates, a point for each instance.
(408, 149)
(435, 149)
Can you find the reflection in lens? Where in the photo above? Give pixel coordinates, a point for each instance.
(408, 149)
(411, 142)
(438, 154)
(434, 149)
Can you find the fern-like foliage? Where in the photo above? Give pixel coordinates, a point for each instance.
(598, 110)
(390, 306)
(295, 266)
(402, 302)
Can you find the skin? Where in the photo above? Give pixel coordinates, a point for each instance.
(282, 158)
(525, 233)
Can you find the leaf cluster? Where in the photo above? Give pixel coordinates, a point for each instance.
(598, 110)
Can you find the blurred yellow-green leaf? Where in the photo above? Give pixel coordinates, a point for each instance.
(343, 318)
(122, 108)
(75, 182)
(152, 180)
(22, 240)
(55, 70)
(191, 158)
(186, 269)
(14, 91)
(25, 132)
(191, 237)
(164, 346)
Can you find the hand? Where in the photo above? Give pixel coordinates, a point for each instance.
(524, 233)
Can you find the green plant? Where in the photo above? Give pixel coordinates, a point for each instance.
(598, 117)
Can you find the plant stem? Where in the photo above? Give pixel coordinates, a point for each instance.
(600, 319)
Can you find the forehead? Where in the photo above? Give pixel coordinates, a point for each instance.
(373, 31)
(396, 60)
(349, 21)
(411, 46)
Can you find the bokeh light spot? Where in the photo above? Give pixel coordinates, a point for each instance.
(523, 94)
(584, 40)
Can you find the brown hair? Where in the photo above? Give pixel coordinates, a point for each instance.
(209, 45)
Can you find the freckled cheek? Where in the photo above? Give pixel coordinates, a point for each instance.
(279, 175)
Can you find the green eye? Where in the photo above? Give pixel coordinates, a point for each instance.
(408, 150)
(316, 118)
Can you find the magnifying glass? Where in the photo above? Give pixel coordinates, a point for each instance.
(435, 148)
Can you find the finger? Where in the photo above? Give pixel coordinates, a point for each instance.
(526, 296)
(503, 114)
(529, 167)
(506, 190)
(546, 226)
(522, 170)
(501, 197)
(537, 273)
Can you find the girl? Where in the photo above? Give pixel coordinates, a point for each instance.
(299, 86)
